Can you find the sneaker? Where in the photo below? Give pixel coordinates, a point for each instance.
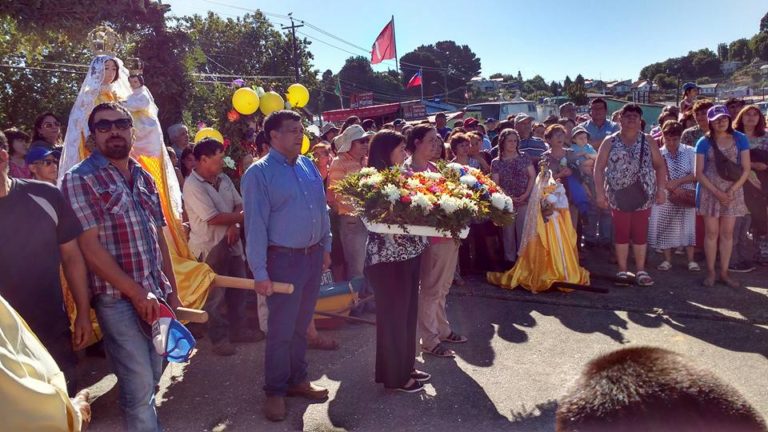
(413, 388)
(741, 268)
(420, 376)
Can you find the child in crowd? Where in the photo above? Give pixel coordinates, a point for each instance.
(583, 155)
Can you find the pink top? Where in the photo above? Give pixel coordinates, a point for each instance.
(19, 172)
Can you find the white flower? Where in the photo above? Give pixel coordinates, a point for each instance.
(432, 175)
(372, 180)
(468, 180)
(510, 204)
(421, 200)
(229, 163)
(413, 182)
(391, 192)
(499, 201)
(456, 167)
(448, 203)
(368, 171)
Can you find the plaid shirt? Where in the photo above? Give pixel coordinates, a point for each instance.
(128, 216)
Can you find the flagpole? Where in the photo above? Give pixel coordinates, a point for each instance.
(421, 76)
(394, 39)
(341, 100)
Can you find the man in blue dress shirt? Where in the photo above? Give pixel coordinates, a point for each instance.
(288, 240)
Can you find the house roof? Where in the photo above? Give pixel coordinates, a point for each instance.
(709, 86)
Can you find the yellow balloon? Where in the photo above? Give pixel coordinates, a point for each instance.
(245, 101)
(271, 102)
(297, 95)
(208, 133)
(304, 144)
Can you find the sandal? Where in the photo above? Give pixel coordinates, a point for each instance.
(732, 283)
(321, 343)
(693, 266)
(708, 282)
(454, 338)
(439, 351)
(420, 376)
(665, 265)
(644, 279)
(623, 279)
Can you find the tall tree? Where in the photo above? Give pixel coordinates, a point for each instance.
(759, 45)
(519, 77)
(722, 51)
(739, 50)
(450, 66)
(357, 76)
(554, 88)
(764, 23)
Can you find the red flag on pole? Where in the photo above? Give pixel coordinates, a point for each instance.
(384, 46)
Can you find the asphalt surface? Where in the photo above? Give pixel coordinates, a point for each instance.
(524, 350)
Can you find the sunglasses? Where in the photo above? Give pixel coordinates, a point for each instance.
(47, 162)
(105, 125)
(54, 125)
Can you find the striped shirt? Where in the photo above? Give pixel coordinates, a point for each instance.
(128, 216)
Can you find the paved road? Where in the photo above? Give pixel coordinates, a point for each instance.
(524, 351)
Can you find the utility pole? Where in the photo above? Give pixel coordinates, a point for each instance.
(293, 28)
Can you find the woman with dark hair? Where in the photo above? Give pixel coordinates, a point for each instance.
(262, 145)
(18, 146)
(439, 259)
(690, 91)
(392, 267)
(187, 161)
(629, 177)
(722, 167)
(514, 173)
(751, 122)
(47, 131)
(673, 224)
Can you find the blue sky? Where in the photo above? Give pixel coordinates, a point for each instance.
(602, 39)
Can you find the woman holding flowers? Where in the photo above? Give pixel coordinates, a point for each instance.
(438, 262)
(392, 268)
(514, 172)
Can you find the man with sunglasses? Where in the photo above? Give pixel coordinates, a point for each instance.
(43, 164)
(118, 206)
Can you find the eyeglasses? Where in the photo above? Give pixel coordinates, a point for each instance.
(49, 125)
(293, 131)
(47, 162)
(105, 125)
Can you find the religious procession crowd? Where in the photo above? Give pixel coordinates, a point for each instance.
(92, 205)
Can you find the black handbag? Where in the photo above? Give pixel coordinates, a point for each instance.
(726, 169)
(633, 197)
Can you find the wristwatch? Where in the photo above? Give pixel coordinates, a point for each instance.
(237, 225)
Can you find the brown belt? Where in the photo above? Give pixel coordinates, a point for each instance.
(302, 251)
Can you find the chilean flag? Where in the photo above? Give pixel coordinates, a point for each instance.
(415, 80)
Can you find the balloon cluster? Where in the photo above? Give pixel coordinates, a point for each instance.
(247, 100)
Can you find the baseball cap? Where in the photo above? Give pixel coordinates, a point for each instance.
(470, 122)
(398, 122)
(36, 154)
(170, 338)
(522, 117)
(689, 85)
(716, 112)
(579, 129)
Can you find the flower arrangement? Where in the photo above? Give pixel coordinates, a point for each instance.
(448, 200)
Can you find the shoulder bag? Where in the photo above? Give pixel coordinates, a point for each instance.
(633, 197)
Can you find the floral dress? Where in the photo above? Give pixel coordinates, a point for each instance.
(672, 225)
(623, 169)
(708, 204)
(387, 248)
(513, 174)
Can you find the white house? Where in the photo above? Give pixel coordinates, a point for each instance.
(710, 90)
(486, 85)
(730, 67)
(764, 69)
(641, 91)
(619, 88)
(737, 92)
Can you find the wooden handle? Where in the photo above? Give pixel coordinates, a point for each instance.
(243, 283)
(191, 315)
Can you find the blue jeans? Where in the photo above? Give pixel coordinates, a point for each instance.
(285, 362)
(134, 360)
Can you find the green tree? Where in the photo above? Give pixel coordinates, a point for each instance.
(538, 83)
(357, 76)
(722, 51)
(496, 75)
(759, 45)
(739, 50)
(764, 23)
(456, 64)
(519, 77)
(554, 88)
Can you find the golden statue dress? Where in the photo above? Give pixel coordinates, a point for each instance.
(548, 252)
